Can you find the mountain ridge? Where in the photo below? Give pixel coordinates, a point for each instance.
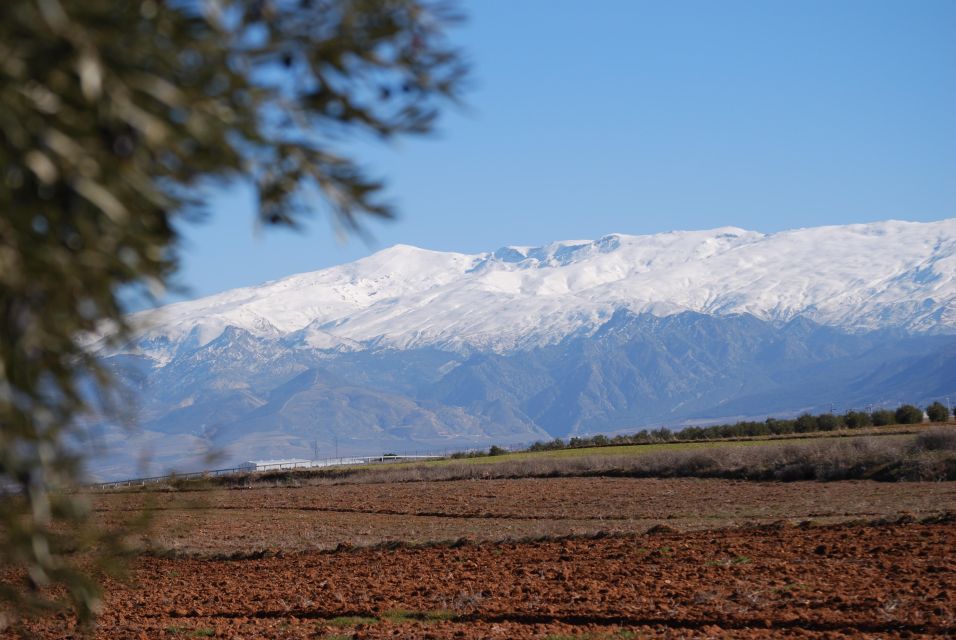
(411, 349)
(858, 277)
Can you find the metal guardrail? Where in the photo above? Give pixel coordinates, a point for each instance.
(281, 466)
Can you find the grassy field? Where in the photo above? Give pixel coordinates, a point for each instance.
(666, 447)
(621, 450)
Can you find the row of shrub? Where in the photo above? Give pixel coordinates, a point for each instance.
(806, 423)
(929, 455)
(924, 456)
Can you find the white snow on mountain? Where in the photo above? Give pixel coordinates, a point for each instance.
(858, 277)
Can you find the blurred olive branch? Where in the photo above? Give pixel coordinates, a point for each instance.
(112, 116)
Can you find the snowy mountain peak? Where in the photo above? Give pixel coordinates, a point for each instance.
(857, 277)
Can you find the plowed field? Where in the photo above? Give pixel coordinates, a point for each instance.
(622, 558)
(322, 517)
(839, 580)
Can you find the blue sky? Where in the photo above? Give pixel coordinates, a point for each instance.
(587, 118)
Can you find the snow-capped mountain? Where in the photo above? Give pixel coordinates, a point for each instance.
(417, 348)
(857, 277)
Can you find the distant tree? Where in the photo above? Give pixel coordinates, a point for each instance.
(805, 423)
(495, 450)
(857, 419)
(600, 441)
(662, 435)
(113, 115)
(693, 433)
(551, 445)
(780, 427)
(759, 429)
(938, 412)
(909, 414)
(751, 429)
(827, 422)
(883, 417)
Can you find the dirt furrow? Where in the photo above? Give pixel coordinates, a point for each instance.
(887, 580)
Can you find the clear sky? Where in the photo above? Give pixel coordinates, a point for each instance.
(588, 118)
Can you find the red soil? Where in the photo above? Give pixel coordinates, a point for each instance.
(321, 517)
(894, 580)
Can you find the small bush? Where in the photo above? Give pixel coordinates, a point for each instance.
(553, 445)
(781, 427)
(661, 435)
(857, 419)
(806, 423)
(941, 439)
(908, 414)
(938, 412)
(472, 453)
(883, 417)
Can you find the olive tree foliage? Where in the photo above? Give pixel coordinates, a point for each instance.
(908, 414)
(112, 116)
(937, 412)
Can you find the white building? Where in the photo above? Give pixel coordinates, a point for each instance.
(273, 465)
(302, 463)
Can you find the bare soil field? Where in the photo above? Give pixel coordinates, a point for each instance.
(849, 580)
(555, 558)
(322, 517)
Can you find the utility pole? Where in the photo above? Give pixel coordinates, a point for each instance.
(315, 449)
(336, 445)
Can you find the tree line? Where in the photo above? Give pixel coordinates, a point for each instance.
(805, 423)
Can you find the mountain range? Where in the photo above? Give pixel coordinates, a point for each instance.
(411, 349)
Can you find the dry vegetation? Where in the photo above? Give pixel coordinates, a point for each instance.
(926, 456)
